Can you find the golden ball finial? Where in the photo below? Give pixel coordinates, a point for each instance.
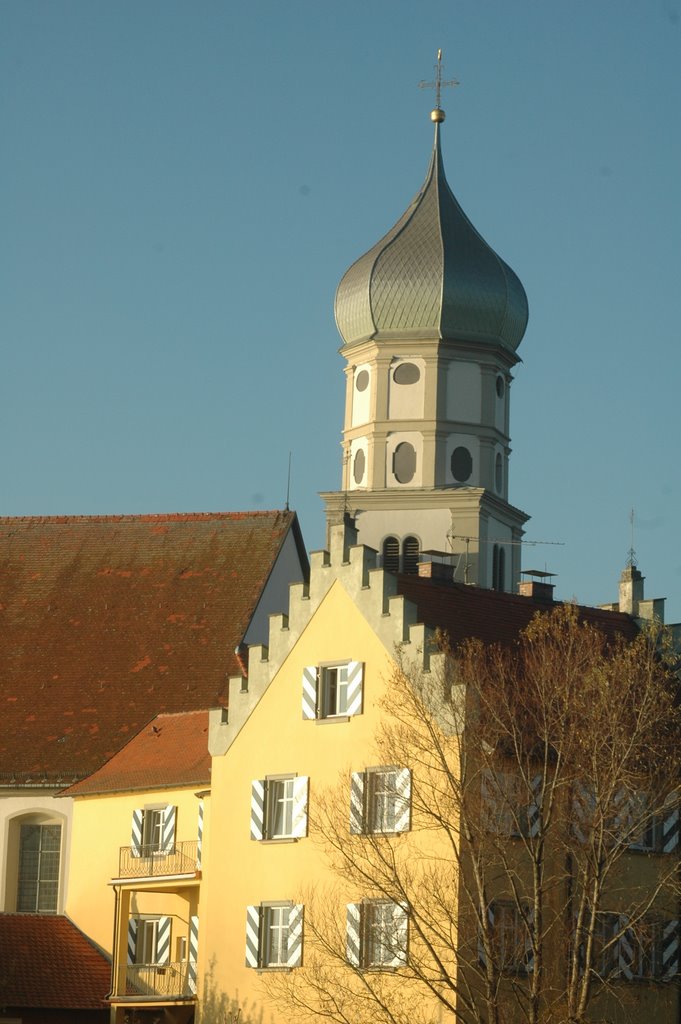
(437, 115)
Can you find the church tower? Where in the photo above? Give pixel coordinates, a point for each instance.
(430, 319)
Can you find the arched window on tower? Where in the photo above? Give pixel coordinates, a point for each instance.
(391, 554)
(498, 568)
(410, 556)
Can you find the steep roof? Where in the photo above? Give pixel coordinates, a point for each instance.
(465, 612)
(171, 751)
(47, 963)
(432, 275)
(108, 621)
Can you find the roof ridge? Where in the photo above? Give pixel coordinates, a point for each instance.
(141, 517)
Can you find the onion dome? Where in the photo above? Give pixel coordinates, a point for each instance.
(432, 275)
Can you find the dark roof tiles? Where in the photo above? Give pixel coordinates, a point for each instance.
(47, 963)
(107, 621)
(171, 751)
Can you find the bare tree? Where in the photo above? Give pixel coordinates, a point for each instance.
(537, 876)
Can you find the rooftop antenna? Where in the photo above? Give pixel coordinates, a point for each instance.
(438, 114)
(288, 484)
(631, 560)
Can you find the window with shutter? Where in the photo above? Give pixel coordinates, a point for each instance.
(279, 807)
(377, 934)
(333, 691)
(380, 800)
(274, 935)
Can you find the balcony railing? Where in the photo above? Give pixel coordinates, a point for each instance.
(143, 861)
(148, 981)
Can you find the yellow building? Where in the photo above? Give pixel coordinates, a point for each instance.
(136, 864)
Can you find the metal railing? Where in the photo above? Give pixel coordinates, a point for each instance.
(170, 980)
(142, 861)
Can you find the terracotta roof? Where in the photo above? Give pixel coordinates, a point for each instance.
(108, 621)
(48, 963)
(465, 612)
(171, 751)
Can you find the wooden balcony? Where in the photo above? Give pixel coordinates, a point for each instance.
(147, 861)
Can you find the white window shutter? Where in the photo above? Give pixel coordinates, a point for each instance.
(671, 938)
(310, 683)
(258, 788)
(355, 687)
(253, 916)
(625, 949)
(300, 797)
(168, 836)
(670, 831)
(401, 934)
(529, 940)
(199, 836)
(295, 936)
(403, 789)
(357, 785)
(132, 939)
(534, 808)
(136, 835)
(163, 940)
(353, 944)
(482, 956)
(193, 958)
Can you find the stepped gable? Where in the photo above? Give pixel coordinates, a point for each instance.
(47, 963)
(172, 750)
(106, 622)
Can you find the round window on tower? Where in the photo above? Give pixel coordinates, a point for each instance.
(498, 473)
(501, 386)
(362, 380)
(404, 463)
(406, 373)
(358, 466)
(462, 464)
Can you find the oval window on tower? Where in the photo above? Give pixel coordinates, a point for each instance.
(406, 373)
(358, 466)
(404, 463)
(501, 387)
(462, 464)
(498, 473)
(391, 554)
(362, 380)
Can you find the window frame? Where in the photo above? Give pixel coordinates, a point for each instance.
(263, 809)
(348, 695)
(365, 818)
(39, 882)
(367, 924)
(261, 921)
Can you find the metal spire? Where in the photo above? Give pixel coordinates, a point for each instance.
(631, 560)
(438, 114)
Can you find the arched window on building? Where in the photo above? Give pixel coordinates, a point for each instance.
(410, 556)
(391, 554)
(38, 852)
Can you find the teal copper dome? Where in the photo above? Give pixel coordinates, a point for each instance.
(432, 275)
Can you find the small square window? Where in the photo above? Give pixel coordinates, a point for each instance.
(333, 690)
(334, 694)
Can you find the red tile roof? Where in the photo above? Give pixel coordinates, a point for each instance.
(47, 963)
(171, 751)
(464, 612)
(108, 621)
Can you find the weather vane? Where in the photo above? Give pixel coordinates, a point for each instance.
(438, 114)
(631, 561)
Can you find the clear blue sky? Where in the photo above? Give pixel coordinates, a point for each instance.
(183, 184)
